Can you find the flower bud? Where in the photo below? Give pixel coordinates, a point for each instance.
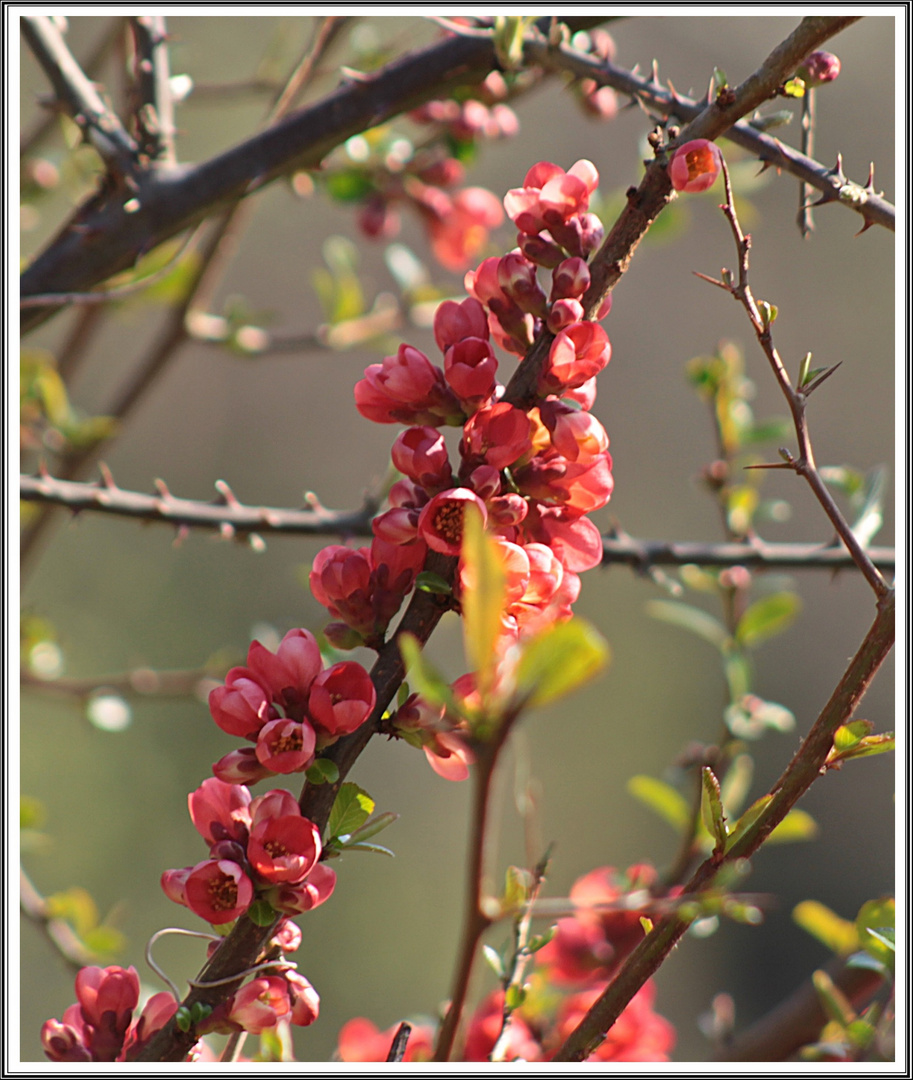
(695, 166)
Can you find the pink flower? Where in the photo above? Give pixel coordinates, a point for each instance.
(360, 1040)
(639, 1034)
(563, 313)
(67, 1040)
(517, 277)
(441, 521)
(485, 1028)
(218, 891)
(459, 235)
(577, 354)
(242, 706)
(576, 435)
(406, 388)
(284, 849)
(575, 540)
(455, 321)
(240, 767)
(303, 998)
(285, 746)
(289, 672)
(259, 1004)
(571, 278)
(220, 811)
(421, 453)
(300, 896)
(156, 1013)
(340, 579)
(469, 368)
(107, 998)
(695, 166)
(550, 196)
(819, 67)
(342, 698)
(499, 434)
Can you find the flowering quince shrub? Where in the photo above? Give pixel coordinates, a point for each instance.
(494, 524)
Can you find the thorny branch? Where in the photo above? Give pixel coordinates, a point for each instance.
(233, 519)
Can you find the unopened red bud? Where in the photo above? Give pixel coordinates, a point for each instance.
(819, 67)
(695, 166)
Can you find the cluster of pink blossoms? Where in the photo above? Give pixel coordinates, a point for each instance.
(570, 973)
(534, 474)
(288, 706)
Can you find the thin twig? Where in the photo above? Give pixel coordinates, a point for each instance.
(77, 93)
(241, 520)
(58, 932)
(797, 399)
(668, 103)
(140, 682)
(155, 104)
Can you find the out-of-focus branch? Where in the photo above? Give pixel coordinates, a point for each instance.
(798, 777)
(834, 187)
(57, 931)
(230, 517)
(141, 682)
(78, 94)
(36, 133)
(155, 106)
(799, 1018)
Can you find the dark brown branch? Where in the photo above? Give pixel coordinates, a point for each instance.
(241, 520)
(155, 106)
(77, 93)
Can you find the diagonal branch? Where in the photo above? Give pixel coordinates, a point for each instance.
(155, 105)
(77, 93)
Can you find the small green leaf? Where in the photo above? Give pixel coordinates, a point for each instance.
(870, 516)
(766, 617)
(747, 819)
(689, 618)
(483, 599)
(378, 849)
(105, 942)
(838, 935)
(738, 675)
(849, 735)
(736, 783)
(516, 889)
(322, 771)
(662, 799)
(426, 679)
(832, 999)
(875, 926)
(261, 913)
(352, 808)
(769, 312)
(349, 186)
(514, 997)
(430, 582)
(559, 659)
(182, 1019)
(373, 826)
(797, 825)
(541, 940)
(712, 807)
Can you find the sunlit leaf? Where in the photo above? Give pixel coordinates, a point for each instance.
(766, 617)
(423, 677)
(663, 799)
(560, 659)
(483, 599)
(747, 819)
(690, 618)
(712, 807)
(838, 935)
(352, 808)
(875, 926)
(797, 825)
(736, 783)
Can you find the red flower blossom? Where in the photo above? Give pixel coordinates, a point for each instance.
(300, 896)
(420, 453)
(303, 998)
(284, 849)
(360, 1040)
(448, 755)
(455, 321)
(285, 746)
(577, 354)
(469, 368)
(441, 521)
(819, 67)
(240, 767)
(218, 891)
(406, 388)
(695, 166)
(289, 672)
(639, 1034)
(499, 434)
(342, 698)
(550, 196)
(242, 706)
(459, 235)
(485, 1027)
(220, 811)
(259, 1004)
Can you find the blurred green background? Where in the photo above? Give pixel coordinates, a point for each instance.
(120, 595)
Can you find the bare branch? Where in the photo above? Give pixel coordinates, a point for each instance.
(100, 124)
(155, 107)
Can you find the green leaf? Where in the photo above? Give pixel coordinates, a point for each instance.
(430, 582)
(797, 825)
(261, 913)
(322, 771)
(737, 669)
(105, 942)
(541, 940)
(712, 807)
(514, 997)
(875, 926)
(378, 849)
(870, 516)
(766, 617)
(559, 659)
(426, 680)
(352, 808)
(838, 935)
(373, 826)
(663, 799)
(352, 185)
(516, 890)
(747, 819)
(483, 599)
(849, 735)
(832, 999)
(736, 783)
(690, 618)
